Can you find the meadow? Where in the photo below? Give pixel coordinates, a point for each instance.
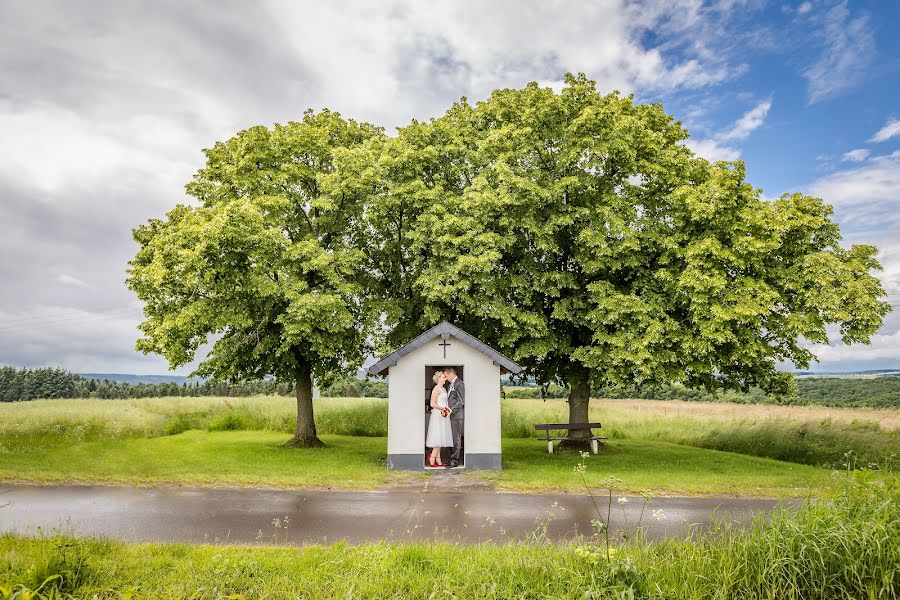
(844, 546)
(667, 447)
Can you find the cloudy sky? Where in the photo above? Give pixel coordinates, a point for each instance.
(106, 106)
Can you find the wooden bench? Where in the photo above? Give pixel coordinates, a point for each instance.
(570, 427)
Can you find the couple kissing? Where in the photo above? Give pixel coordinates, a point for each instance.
(445, 428)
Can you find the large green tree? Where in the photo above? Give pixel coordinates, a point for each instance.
(268, 263)
(575, 231)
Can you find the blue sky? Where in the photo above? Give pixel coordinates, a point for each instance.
(104, 110)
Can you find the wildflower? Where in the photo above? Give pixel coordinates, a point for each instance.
(580, 468)
(585, 454)
(622, 500)
(659, 515)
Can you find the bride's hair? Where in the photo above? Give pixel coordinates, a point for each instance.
(436, 376)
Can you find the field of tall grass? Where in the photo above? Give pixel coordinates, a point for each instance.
(815, 436)
(843, 546)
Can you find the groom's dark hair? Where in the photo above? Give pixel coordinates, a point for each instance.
(450, 370)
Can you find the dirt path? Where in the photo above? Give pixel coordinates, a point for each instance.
(302, 517)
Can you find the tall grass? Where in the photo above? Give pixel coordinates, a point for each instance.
(812, 439)
(845, 546)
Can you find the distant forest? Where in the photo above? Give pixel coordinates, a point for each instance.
(30, 384)
(874, 392)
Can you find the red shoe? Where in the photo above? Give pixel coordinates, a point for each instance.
(431, 460)
(439, 463)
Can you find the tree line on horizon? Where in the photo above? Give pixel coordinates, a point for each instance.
(51, 382)
(31, 384)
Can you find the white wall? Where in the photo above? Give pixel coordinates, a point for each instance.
(406, 398)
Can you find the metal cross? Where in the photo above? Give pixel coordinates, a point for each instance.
(445, 343)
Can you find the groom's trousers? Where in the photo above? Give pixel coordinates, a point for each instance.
(457, 426)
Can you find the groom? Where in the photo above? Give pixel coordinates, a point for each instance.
(456, 399)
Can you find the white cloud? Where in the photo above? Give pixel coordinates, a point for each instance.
(849, 47)
(79, 340)
(890, 129)
(804, 8)
(882, 347)
(889, 257)
(49, 148)
(864, 196)
(748, 123)
(860, 187)
(407, 59)
(66, 279)
(858, 155)
(712, 150)
(720, 146)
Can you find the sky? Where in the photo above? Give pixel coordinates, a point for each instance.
(105, 109)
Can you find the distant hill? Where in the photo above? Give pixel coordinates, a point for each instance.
(850, 374)
(129, 378)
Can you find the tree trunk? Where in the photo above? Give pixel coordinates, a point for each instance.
(579, 401)
(305, 432)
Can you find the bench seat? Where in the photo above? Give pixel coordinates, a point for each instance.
(548, 427)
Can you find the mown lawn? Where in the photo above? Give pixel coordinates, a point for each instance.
(248, 458)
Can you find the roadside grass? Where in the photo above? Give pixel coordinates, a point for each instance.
(258, 458)
(659, 466)
(845, 546)
(817, 436)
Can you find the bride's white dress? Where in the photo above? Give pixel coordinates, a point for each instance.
(439, 433)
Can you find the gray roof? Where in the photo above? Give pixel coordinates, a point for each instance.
(444, 330)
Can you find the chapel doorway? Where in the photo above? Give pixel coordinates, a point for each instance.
(429, 386)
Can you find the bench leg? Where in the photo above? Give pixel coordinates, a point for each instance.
(550, 446)
(595, 447)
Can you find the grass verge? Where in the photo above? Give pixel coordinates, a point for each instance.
(845, 547)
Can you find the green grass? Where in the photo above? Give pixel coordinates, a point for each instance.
(219, 457)
(807, 435)
(663, 467)
(247, 458)
(845, 547)
(652, 446)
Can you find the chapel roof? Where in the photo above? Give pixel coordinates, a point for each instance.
(443, 330)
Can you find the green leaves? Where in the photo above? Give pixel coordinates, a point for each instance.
(573, 230)
(268, 263)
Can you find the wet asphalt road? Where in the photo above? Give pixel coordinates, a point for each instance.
(302, 517)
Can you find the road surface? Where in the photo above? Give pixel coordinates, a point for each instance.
(203, 515)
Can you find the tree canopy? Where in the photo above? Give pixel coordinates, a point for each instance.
(574, 231)
(268, 262)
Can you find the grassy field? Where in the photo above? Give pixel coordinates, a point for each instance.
(257, 458)
(664, 447)
(847, 546)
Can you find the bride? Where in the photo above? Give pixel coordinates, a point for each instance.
(439, 433)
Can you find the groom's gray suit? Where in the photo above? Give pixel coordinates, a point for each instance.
(456, 400)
